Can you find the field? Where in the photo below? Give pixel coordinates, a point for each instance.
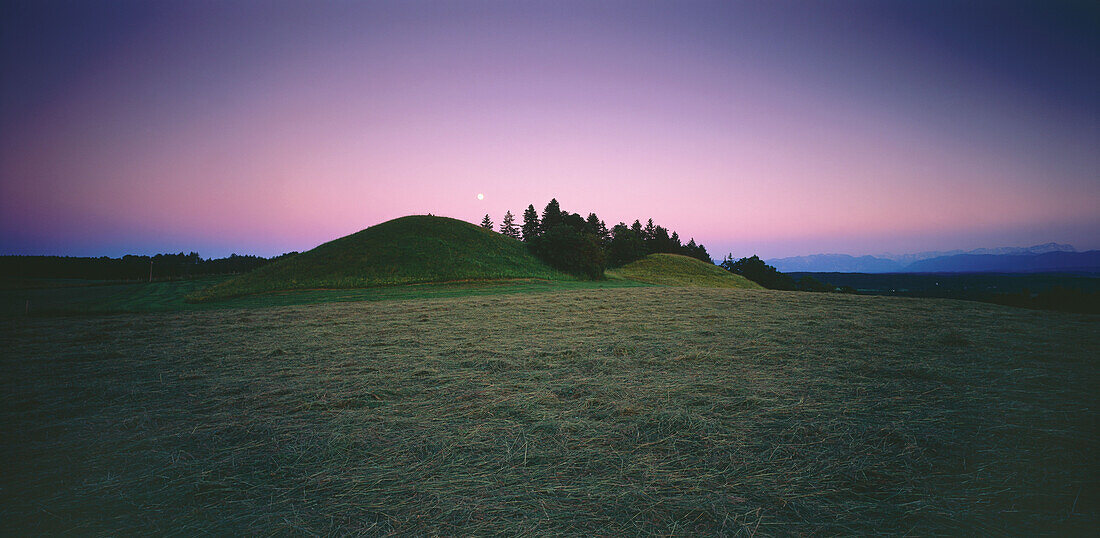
(642, 410)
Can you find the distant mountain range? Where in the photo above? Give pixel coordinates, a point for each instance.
(906, 259)
(1039, 258)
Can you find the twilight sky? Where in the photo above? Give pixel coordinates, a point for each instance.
(776, 128)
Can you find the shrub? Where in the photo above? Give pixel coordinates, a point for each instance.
(757, 271)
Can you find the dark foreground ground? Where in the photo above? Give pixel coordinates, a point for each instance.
(1065, 292)
(617, 411)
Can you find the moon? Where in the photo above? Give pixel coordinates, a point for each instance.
(480, 196)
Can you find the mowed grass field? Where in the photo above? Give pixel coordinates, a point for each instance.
(651, 411)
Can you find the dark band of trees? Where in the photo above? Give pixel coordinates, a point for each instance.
(585, 246)
(160, 267)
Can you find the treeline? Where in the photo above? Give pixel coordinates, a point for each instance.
(129, 267)
(585, 246)
(754, 269)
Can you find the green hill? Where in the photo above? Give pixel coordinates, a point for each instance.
(677, 270)
(407, 250)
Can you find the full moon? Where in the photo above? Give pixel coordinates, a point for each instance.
(480, 196)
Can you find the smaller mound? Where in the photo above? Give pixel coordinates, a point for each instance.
(677, 270)
(409, 250)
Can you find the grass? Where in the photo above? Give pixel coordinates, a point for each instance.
(409, 250)
(677, 270)
(47, 300)
(53, 297)
(653, 411)
(62, 297)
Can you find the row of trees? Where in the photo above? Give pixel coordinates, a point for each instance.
(585, 246)
(754, 269)
(129, 267)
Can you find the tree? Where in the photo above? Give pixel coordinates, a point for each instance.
(508, 225)
(530, 229)
(660, 240)
(704, 255)
(571, 251)
(649, 232)
(487, 223)
(596, 227)
(551, 216)
(574, 221)
(624, 247)
(809, 283)
(697, 251)
(602, 233)
(757, 271)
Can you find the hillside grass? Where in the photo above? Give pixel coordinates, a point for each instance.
(640, 411)
(45, 300)
(677, 270)
(408, 250)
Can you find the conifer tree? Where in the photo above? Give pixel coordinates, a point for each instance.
(551, 216)
(530, 229)
(592, 224)
(487, 223)
(508, 225)
(660, 240)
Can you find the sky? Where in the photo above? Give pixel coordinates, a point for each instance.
(775, 128)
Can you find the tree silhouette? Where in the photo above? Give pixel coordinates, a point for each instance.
(624, 247)
(574, 221)
(697, 251)
(487, 223)
(508, 225)
(650, 232)
(571, 251)
(596, 227)
(128, 267)
(756, 270)
(551, 216)
(530, 229)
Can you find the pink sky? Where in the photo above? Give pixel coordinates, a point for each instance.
(231, 132)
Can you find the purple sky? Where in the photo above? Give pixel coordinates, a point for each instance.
(775, 128)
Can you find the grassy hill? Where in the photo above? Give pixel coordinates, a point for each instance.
(677, 270)
(408, 250)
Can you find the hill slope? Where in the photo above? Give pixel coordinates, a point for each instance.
(407, 250)
(677, 270)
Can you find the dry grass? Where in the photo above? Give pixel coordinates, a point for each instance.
(654, 411)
